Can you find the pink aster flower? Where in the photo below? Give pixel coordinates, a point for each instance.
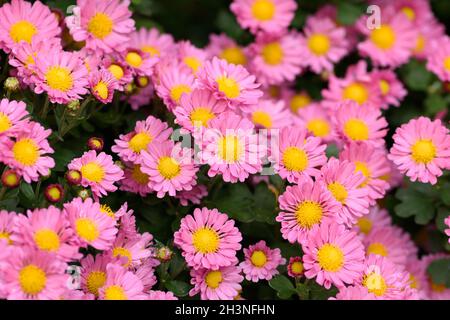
(92, 227)
(304, 207)
(193, 196)
(141, 63)
(427, 34)
(190, 56)
(146, 273)
(33, 275)
(435, 291)
(356, 292)
(261, 262)
(418, 11)
(418, 276)
(360, 124)
(298, 155)
(341, 179)
(221, 284)
(127, 225)
(270, 16)
(104, 25)
(102, 85)
(226, 48)
(61, 74)
(323, 44)
(121, 284)
(231, 148)
(46, 230)
(141, 96)
(269, 114)
(7, 222)
(152, 42)
(421, 149)
(376, 218)
(120, 71)
(317, 121)
(208, 239)
(135, 181)
(145, 133)
(229, 82)
(28, 153)
(170, 168)
(296, 100)
(24, 21)
(134, 251)
(93, 272)
(277, 59)
(98, 172)
(392, 90)
(161, 295)
(333, 255)
(13, 116)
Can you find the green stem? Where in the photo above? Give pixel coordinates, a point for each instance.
(45, 109)
(2, 192)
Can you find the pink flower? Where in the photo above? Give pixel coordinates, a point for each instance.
(208, 239)
(134, 251)
(333, 255)
(295, 101)
(190, 56)
(270, 16)
(261, 262)
(421, 149)
(93, 272)
(295, 267)
(119, 70)
(161, 295)
(376, 218)
(269, 114)
(7, 222)
(135, 180)
(13, 117)
(221, 284)
(226, 48)
(104, 25)
(152, 42)
(98, 172)
(435, 291)
(121, 284)
(193, 196)
(140, 62)
(392, 90)
(317, 121)
(357, 292)
(102, 85)
(27, 153)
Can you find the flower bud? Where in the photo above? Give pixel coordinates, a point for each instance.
(142, 81)
(164, 254)
(84, 194)
(10, 179)
(295, 267)
(54, 193)
(130, 89)
(95, 143)
(73, 177)
(11, 84)
(73, 107)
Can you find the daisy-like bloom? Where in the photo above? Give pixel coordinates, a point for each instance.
(435, 291)
(317, 121)
(392, 90)
(417, 276)
(372, 163)
(170, 168)
(261, 262)
(341, 179)
(231, 148)
(276, 58)
(390, 242)
(61, 74)
(140, 62)
(191, 56)
(421, 149)
(151, 41)
(161, 295)
(270, 16)
(121, 284)
(221, 284)
(333, 255)
(269, 114)
(127, 225)
(296, 101)
(427, 34)
(323, 44)
(7, 222)
(146, 273)
(92, 227)
(418, 11)
(193, 196)
(355, 123)
(46, 230)
(129, 146)
(122, 73)
(295, 267)
(28, 153)
(93, 272)
(13, 116)
(226, 48)
(103, 25)
(98, 172)
(198, 109)
(229, 82)
(135, 180)
(208, 239)
(30, 274)
(134, 251)
(386, 280)
(376, 218)
(356, 292)
(298, 155)
(304, 207)
(102, 85)
(391, 44)
(24, 21)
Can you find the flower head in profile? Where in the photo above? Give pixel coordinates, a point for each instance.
(392, 90)
(190, 56)
(356, 292)
(317, 120)
(135, 180)
(13, 116)
(151, 41)
(121, 284)
(102, 85)
(269, 114)
(226, 48)
(439, 58)
(193, 196)
(376, 218)
(7, 223)
(161, 295)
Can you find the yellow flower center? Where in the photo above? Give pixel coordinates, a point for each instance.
(384, 87)
(153, 51)
(140, 141)
(86, 229)
(295, 159)
(365, 225)
(32, 279)
(116, 71)
(47, 240)
(258, 258)
(339, 192)
(319, 44)
(168, 167)
(134, 59)
(93, 172)
(330, 258)
(122, 252)
(115, 292)
(201, 116)
(193, 63)
(230, 148)
(22, 31)
(101, 89)
(299, 101)
(262, 118)
(205, 240)
(95, 280)
(378, 249)
(356, 129)
(177, 91)
(297, 267)
(319, 127)
(138, 176)
(263, 10)
(5, 123)
(54, 193)
(308, 214)
(420, 44)
(423, 151)
(6, 236)
(26, 152)
(273, 53)
(234, 55)
(447, 63)
(107, 210)
(59, 78)
(413, 282)
(100, 25)
(375, 283)
(356, 92)
(229, 87)
(384, 37)
(213, 279)
(364, 169)
(409, 13)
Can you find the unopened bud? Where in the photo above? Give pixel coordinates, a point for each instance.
(164, 254)
(10, 179)
(73, 106)
(95, 143)
(295, 267)
(73, 177)
(142, 82)
(84, 194)
(54, 193)
(11, 84)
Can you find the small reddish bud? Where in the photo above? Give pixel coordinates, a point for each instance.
(164, 254)
(10, 179)
(54, 193)
(295, 267)
(73, 177)
(95, 143)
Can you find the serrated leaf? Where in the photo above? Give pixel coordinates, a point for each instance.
(236, 200)
(416, 76)
(27, 190)
(415, 203)
(283, 286)
(179, 288)
(348, 13)
(439, 270)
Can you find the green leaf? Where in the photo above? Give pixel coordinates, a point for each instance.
(417, 202)
(62, 158)
(179, 288)
(434, 103)
(320, 293)
(445, 194)
(303, 291)
(348, 13)
(265, 203)
(442, 214)
(236, 200)
(27, 190)
(283, 286)
(416, 76)
(439, 270)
